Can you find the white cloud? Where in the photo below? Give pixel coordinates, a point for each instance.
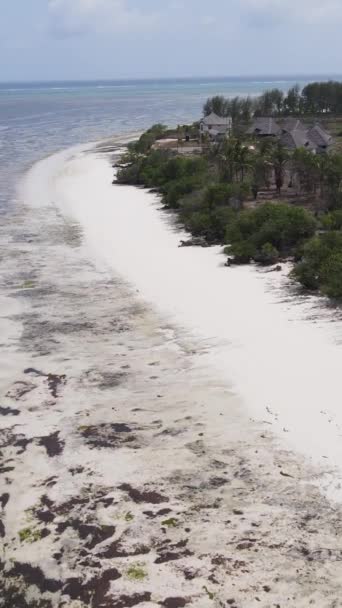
(301, 11)
(72, 17)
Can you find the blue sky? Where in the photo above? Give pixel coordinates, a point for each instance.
(86, 39)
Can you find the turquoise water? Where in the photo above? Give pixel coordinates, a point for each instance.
(37, 119)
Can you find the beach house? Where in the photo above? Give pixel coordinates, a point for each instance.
(292, 133)
(217, 127)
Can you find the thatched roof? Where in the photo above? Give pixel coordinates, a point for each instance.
(298, 138)
(292, 134)
(213, 120)
(319, 136)
(292, 124)
(264, 126)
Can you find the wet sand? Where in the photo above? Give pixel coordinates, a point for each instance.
(131, 474)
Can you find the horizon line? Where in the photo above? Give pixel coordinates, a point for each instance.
(172, 78)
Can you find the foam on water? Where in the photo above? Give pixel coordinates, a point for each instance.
(285, 367)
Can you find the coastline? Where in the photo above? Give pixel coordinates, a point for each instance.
(241, 313)
(148, 463)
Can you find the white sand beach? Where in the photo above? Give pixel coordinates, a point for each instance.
(278, 351)
(171, 428)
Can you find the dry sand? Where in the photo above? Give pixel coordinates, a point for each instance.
(131, 473)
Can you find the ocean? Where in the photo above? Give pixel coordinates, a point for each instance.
(37, 119)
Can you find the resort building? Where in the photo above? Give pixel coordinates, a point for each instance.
(292, 133)
(217, 127)
(264, 127)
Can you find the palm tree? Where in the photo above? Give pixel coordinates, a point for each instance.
(279, 158)
(235, 160)
(306, 166)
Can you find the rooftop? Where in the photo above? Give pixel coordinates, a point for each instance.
(264, 126)
(319, 136)
(215, 120)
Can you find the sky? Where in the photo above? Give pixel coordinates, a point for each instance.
(98, 39)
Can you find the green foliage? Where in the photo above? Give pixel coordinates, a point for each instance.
(170, 523)
(175, 190)
(244, 251)
(210, 225)
(174, 175)
(129, 516)
(210, 594)
(322, 97)
(332, 220)
(217, 104)
(270, 102)
(208, 192)
(137, 572)
(267, 255)
(321, 265)
(148, 138)
(29, 535)
(315, 98)
(268, 230)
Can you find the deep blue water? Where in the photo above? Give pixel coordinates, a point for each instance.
(38, 118)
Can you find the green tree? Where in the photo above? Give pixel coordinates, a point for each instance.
(292, 101)
(321, 264)
(279, 158)
(217, 104)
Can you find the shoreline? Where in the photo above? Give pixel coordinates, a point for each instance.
(129, 451)
(230, 309)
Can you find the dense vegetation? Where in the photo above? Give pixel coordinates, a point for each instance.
(209, 193)
(317, 98)
(265, 233)
(321, 264)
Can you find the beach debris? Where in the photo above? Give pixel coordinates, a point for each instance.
(210, 594)
(174, 602)
(53, 380)
(127, 601)
(195, 241)
(93, 592)
(19, 389)
(237, 512)
(139, 496)
(110, 435)
(4, 498)
(118, 550)
(53, 445)
(160, 513)
(8, 411)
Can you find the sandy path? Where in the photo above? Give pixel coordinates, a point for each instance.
(131, 475)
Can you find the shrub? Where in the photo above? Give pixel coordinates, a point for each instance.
(210, 224)
(268, 255)
(243, 251)
(146, 141)
(321, 265)
(332, 220)
(270, 229)
(175, 190)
